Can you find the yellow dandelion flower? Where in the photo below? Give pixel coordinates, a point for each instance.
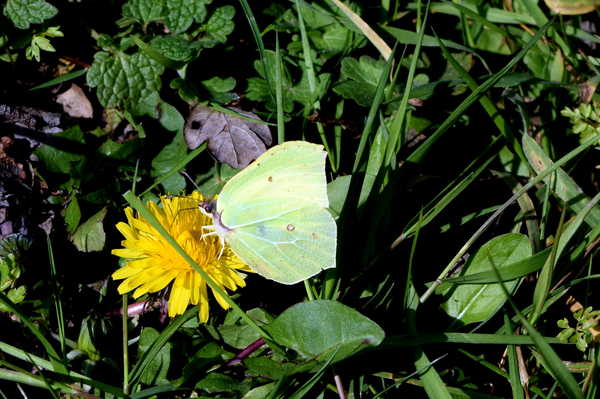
(152, 263)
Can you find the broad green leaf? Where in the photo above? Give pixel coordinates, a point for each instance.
(124, 80)
(72, 214)
(467, 304)
(316, 329)
(176, 47)
(260, 392)
(90, 236)
(156, 371)
(219, 25)
(156, 56)
(8, 271)
(22, 13)
(215, 382)
(182, 13)
(64, 148)
(145, 10)
(86, 342)
(166, 160)
(167, 115)
(186, 90)
(276, 370)
(220, 89)
(359, 79)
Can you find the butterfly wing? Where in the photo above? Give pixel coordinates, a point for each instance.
(294, 169)
(283, 239)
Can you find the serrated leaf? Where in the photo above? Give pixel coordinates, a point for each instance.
(22, 13)
(156, 56)
(317, 329)
(145, 10)
(156, 371)
(182, 13)
(219, 25)
(175, 47)
(470, 303)
(90, 236)
(124, 80)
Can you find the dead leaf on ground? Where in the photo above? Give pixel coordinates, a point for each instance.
(75, 103)
(231, 140)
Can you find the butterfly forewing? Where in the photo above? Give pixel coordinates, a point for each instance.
(294, 169)
(285, 239)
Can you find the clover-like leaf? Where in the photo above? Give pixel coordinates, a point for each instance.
(230, 139)
(219, 25)
(220, 89)
(22, 13)
(124, 80)
(361, 78)
(183, 12)
(145, 10)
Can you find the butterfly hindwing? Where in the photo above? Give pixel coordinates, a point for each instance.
(283, 239)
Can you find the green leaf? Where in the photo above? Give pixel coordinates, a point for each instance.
(360, 78)
(220, 89)
(86, 342)
(293, 91)
(219, 25)
(64, 148)
(124, 80)
(175, 47)
(166, 160)
(186, 90)
(467, 304)
(72, 215)
(316, 329)
(145, 10)
(7, 266)
(22, 13)
(156, 371)
(276, 370)
(183, 12)
(90, 236)
(215, 382)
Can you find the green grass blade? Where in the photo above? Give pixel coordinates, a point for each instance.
(418, 155)
(551, 361)
(433, 384)
(259, 41)
(61, 79)
(529, 185)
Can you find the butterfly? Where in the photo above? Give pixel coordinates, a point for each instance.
(273, 214)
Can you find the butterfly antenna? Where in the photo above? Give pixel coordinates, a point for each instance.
(193, 182)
